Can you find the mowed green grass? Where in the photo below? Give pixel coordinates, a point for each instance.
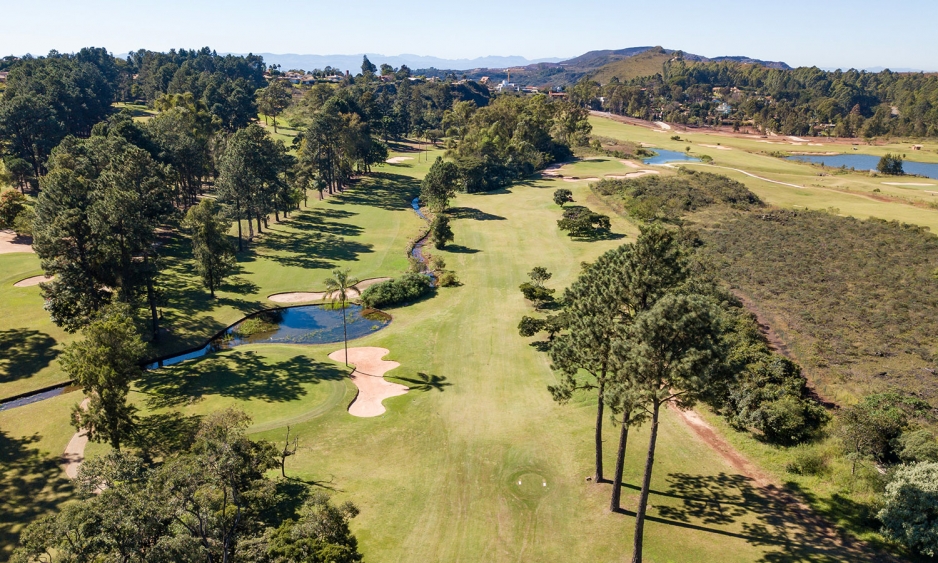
(476, 462)
(365, 229)
(850, 193)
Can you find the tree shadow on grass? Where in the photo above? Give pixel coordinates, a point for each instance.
(23, 352)
(426, 382)
(166, 434)
(241, 375)
(385, 190)
(460, 249)
(765, 516)
(31, 485)
(472, 213)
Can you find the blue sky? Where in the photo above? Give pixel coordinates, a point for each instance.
(825, 33)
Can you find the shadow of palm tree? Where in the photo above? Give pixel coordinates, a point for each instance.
(426, 382)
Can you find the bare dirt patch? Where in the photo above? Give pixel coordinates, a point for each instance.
(368, 376)
(35, 280)
(9, 242)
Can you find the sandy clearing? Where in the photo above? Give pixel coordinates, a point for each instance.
(398, 159)
(718, 147)
(368, 376)
(304, 296)
(908, 184)
(9, 242)
(663, 125)
(35, 280)
(75, 450)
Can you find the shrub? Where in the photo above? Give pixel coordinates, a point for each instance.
(910, 514)
(404, 289)
(562, 196)
(772, 398)
(807, 461)
(440, 231)
(580, 221)
(917, 445)
(262, 322)
(537, 294)
(448, 279)
(12, 205)
(890, 164)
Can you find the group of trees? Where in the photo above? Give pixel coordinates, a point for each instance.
(514, 136)
(801, 101)
(643, 327)
(206, 502)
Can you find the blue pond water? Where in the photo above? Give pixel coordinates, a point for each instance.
(868, 162)
(664, 156)
(309, 324)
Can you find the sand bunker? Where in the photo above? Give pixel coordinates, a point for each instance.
(398, 159)
(663, 125)
(35, 280)
(630, 164)
(369, 378)
(718, 147)
(306, 296)
(9, 242)
(75, 450)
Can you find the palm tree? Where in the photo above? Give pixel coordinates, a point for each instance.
(337, 288)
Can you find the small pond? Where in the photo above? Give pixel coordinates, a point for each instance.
(308, 324)
(664, 157)
(867, 162)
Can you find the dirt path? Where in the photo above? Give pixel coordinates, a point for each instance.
(709, 436)
(75, 450)
(368, 376)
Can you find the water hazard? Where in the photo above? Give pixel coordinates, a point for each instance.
(308, 324)
(664, 157)
(867, 162)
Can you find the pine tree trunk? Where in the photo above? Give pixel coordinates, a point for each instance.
(598, 477)
(615, 503)
(240, 245)
(646, 486)
(151, 297)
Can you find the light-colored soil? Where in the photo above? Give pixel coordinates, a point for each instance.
(9, 242)
(663, 125)
(309, 296)
(398, 159)
(35, 280)
(709, 436)
(630, 163)
(368, 376)
(907, 184)
(75, 450)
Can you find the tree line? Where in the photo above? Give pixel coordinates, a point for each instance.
(801, 101)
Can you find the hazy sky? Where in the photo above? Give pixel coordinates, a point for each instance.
(825, 33)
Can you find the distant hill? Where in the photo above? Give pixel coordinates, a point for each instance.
(353, 63)
(647, 63)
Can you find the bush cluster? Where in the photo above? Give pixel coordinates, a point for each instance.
(669, 197)
(404, 289)
(580, 221)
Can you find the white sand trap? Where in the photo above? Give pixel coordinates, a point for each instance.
(75, 450)
(663, 125)
(798, 139)
(630, 175)
(306, 296)
(718, 147)
(908, 184)
(398, 159)
(9, 242)
(369, 378)
(35, 280)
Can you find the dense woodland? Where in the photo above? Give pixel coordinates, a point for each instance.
(802, 101)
